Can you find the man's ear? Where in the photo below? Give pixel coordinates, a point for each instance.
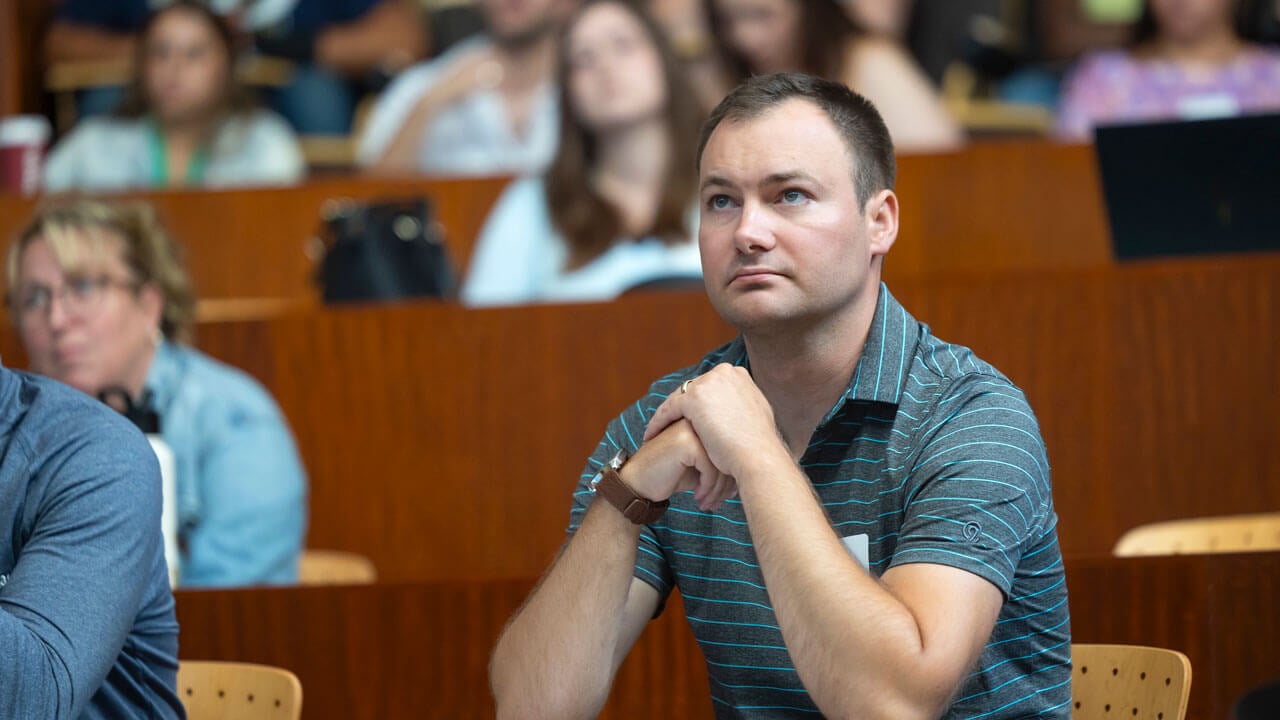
(881, 216)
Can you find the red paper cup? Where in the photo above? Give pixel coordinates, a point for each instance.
(23, 139)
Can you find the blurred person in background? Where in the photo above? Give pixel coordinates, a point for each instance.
(487, 106)
(341, 49)
(818, 37)
(618, 206)
(102, 303)
(185, 122)
(887, 18)
(1189, 59)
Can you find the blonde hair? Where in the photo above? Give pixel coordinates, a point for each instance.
(86, 233)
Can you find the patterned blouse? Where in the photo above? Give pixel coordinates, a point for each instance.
(1112, 87)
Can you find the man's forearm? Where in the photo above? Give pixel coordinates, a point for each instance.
(557, 656)
(390, 37)
(852, 642)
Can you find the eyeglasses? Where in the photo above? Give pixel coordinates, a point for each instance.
(78, 295)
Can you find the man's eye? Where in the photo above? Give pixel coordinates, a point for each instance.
(791, 197)
(719, 202)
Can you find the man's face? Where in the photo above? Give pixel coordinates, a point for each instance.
(1191, 20)
(765, 33)
(782, 236)
(520, 22)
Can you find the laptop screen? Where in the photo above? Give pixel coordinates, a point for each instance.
(1192, 187)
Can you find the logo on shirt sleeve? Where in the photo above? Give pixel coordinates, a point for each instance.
(971, 531)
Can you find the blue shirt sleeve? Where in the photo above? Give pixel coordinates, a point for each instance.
(253, 504)
(122, 16)
(93, 553)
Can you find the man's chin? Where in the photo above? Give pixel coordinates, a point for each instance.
(753, 311)
(519, 38)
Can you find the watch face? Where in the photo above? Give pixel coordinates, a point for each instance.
(619, 459)
(615, 462)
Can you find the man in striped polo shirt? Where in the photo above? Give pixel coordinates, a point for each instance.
(857, 514)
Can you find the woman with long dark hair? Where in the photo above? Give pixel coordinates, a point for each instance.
(1188, 59)
(185, 121)
(760, 37)
(617, 206)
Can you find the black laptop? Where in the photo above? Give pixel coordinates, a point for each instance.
(1192, 187)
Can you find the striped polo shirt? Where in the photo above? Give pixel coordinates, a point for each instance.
(930, 455)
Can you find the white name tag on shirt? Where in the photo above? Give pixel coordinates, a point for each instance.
(857, 545)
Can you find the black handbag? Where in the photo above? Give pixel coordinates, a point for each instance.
(384, 250)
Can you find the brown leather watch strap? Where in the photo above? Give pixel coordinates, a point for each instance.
(638, 510)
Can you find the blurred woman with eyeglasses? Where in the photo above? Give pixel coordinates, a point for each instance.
(102, 303)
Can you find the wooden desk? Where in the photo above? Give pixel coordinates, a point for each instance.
(420, 650)
(417, 650)
(1221, 610)
(428, 430)
(254, 243)
(1009, 205)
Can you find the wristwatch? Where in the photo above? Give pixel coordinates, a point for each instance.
(608, 484)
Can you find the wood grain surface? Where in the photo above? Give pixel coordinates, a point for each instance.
(993, 206)
(420, 650)
(432, 432)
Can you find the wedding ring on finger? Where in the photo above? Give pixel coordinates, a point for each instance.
(684, 386)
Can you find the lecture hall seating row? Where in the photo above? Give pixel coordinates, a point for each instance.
(426, 427)
(420, 650)
(996, 206)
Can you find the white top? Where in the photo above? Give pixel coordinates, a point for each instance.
(107, 153)
(472, 136)
(520, 257)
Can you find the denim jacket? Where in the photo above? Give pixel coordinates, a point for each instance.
(242, 492)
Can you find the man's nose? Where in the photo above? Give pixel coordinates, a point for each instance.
(754, 233)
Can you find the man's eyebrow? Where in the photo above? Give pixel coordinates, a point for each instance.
(782, 178)
(717, 181)
(778, 178)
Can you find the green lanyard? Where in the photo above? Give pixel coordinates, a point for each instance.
(160, 161)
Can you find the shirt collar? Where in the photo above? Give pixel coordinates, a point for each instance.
(162, 377)
(886, 358)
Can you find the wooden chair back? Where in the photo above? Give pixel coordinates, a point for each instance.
(1128, 681)
(1224, 534)
(334, 567)
(213, 690)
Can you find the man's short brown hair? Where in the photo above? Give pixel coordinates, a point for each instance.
(865, 135)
